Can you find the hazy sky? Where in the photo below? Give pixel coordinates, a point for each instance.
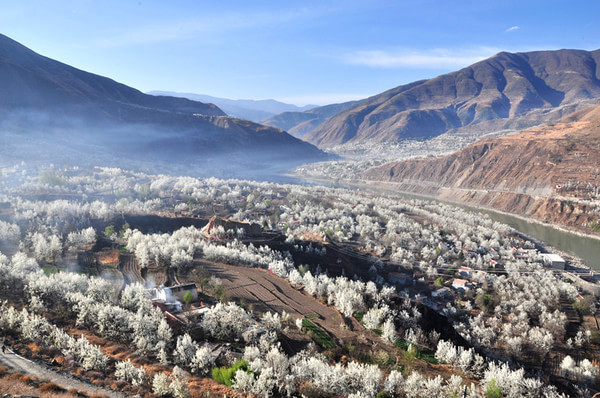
(296, 51)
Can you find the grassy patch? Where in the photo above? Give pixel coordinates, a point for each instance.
(359, 316)
(423, 353)
(427, 355)
(49, 270)
(401, 343)
(317, 334)
(226, 375)
(88, 271)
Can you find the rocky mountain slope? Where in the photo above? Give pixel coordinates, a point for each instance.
(52, 111)
(255, 110)
(506, 91)
(300, 124)
(550, 172)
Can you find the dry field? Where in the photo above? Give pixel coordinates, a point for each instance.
(266, 291)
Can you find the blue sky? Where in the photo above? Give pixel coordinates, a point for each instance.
(297, 51)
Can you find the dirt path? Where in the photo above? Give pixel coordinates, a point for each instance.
(23, 365)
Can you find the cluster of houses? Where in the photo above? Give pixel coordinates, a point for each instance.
(464, 278)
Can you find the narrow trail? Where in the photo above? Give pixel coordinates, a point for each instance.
(14, 361)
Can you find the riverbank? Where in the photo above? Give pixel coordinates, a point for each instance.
(580, 248)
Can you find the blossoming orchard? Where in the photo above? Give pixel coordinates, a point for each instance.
(178, 286)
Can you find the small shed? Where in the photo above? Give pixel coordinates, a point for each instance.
(465, 272)
(180, 290)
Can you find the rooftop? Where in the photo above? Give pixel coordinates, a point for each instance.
(552, 257)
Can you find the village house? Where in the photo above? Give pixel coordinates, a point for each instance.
(461, 284)
(465, 272)
(480, 273)
(175, 293)
(431, 304)
(441, 293)
(553, 260)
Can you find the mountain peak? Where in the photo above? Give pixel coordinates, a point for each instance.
(59, 103)
(505, 91)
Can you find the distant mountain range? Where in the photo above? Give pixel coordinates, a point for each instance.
(300, 124)
(54, 112)
(255, 110)
(547, 172)
(506, 91)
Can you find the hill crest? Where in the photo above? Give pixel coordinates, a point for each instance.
(50, 109)
(549, 172)
(506, 91)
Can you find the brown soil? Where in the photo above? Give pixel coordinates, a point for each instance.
(265, 291)
(129, 267)
(539, 173)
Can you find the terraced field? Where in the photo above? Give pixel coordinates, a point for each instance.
(268, 292)
(130, 269)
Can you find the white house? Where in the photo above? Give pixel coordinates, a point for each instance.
(553, 260)
(461, 284)
(465, 272)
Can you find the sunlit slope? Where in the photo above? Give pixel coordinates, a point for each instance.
(47, 104)
(551, 172)
(506, 91)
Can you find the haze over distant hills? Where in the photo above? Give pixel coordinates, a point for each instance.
(255, 110)
(300, 124)
(506, 91)
(52, 111)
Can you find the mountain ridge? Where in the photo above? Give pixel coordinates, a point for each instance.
(45, 102)
(254, 110)
(548, 172)
(506, 91)
(300, 124)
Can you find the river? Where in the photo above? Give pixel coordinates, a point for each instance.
(585, 248)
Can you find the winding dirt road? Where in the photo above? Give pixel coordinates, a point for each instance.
(14, 361)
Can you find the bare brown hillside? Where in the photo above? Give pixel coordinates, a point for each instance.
(506, 91)
(550, 172)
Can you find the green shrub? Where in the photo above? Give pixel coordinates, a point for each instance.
(109, 231)
(188, 297)
(595, 338)
(492, 390)
(317, 334)
(225, 375)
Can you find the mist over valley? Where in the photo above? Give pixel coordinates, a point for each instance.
(414, 213)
